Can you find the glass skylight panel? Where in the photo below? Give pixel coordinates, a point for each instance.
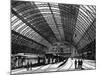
(55, 9)
(83, 18)
(83, 15)
(94, 9)
(84, 26)
(49, 18)
(91, 32)
(26, 11)
(56, 13)
(33, 35)
(14, 9)
(79, 35)
(23, 9)
(29, 33)
(84, 10)
(87, 7)
(20, 6)
(37, 38)
(45, 12)
(17, 24)
(41, 4)
(80, 26)
(80, 29)
(17, 21)
(14, 21)
(21, 28)
(43, 8)
(13, 18)
(90, 9)
(85, 40)
(87, 37)
(90, 15)
(30, 15)
(55, 5)
(82, 22)
(25, 30)
(24, 41)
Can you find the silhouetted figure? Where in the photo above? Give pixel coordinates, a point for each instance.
(27, 66)
(52, 60)
(30, 65)
(78, 63)
(81, 63)
(49, 60)
(75, 64)
(38, 60)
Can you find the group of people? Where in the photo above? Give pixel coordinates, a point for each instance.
(29, 65)
(78, 63)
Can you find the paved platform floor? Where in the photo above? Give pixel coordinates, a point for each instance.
(67, 66)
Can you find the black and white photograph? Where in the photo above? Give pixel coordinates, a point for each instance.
(52, 37)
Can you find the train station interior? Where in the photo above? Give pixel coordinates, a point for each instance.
(52, 36)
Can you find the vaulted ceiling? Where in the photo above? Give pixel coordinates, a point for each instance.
(38, 25)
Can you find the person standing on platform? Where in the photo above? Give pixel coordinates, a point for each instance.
(30, 65)
(27, 66)
(78, 63)
(75, 64)
(81, 63)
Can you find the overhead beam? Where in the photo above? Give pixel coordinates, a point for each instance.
(54, 20)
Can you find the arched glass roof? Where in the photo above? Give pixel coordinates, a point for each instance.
(46, 23)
